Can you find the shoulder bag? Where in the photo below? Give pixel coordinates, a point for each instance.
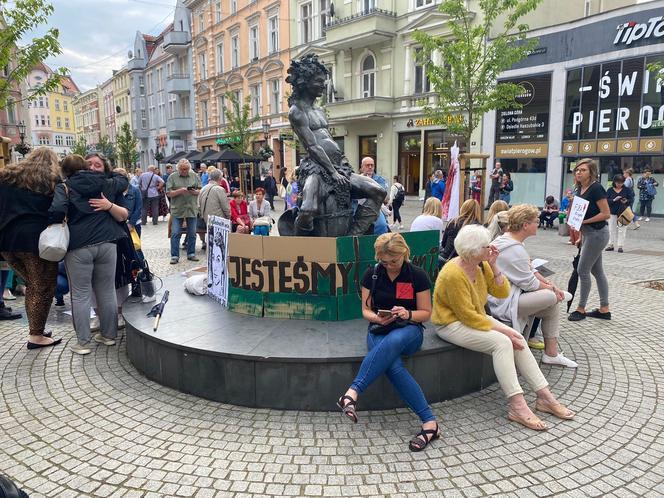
(54, 240)
(626, 217)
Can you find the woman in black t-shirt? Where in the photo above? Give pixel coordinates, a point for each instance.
(396, 299)
(594, 238)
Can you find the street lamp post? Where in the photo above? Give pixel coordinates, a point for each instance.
(22, 147)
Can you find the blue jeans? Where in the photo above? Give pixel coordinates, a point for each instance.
(384, 357)
(176, 233)
(61, 287)
(505, 196)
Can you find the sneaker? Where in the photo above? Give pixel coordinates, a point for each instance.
(121, 322)
(647, 219)
(193, 258)
(620, 249)
(609, 248)
(94, 325)
(174, 260)
(535, 343)
(82, 349)
(637, 225)
(8, 296)
(104, 340)
(400, 227)
(558, 360)
(59, 303)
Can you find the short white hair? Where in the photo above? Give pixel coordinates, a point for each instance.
(471, 240)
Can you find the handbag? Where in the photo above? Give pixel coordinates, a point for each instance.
(263, 221)
(54, 240)
(626, 217)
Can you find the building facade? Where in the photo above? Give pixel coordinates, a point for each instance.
(86, 116)
(585, 99)
(52, 115)
(107, 110)
(120, 82)
(241, 47)
(161, 90)
(15, 113)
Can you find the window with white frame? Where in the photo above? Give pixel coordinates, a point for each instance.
(237, 97)
(201, 22)
(233, 7)
(169, 69)
(65, 106)
(171, 105)
(221, 109)
(422, 3)
(148, 82)
(275, 96)
(587, 8)
(144, 119)
(255, 91)
(422, 84)
(69, 140)
(43, 120)
(324, 15)
(368, 76)
(46, 98)
(161, 109)
(220, 57)
(58, 122)
(235, 51)
(205, 122)
(160, 79)
(217, 11)
(36, 120)
(44, 140)
(11, 111)
(67, 123)
(306, 23)
(202, 66)
(273, 34)
(366, 6)
(253, 43)
(57, 104)
(141, 85)
(59, 140)
(151, 110)
(48, 121)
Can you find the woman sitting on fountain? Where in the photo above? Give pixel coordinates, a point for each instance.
(396, 300)
(459, 301)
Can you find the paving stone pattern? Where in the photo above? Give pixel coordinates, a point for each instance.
(92, 426)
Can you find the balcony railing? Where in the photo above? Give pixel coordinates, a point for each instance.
(359, 15)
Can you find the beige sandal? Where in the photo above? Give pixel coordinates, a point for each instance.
(558, 410)
(532, 422)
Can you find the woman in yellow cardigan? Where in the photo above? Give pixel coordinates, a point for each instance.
(459, 298)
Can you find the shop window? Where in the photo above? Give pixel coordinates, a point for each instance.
(368, 76)
(368, 147)
(529, 178)
(409, 161)
(572, 103)
(631, 99)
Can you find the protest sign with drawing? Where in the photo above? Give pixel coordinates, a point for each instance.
(577, 212)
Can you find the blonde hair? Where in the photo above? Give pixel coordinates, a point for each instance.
(210, 169)
(470, 213)
(496, 208)
(38, 172)
(498, 224)
(519, 215)
(433, 207)
(122, 171)
(392, 244)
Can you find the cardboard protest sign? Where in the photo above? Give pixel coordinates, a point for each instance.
(217, 236)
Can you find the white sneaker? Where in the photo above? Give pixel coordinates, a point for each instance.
(558, 360)
(81, 349)
(106, 341)
(647, 219)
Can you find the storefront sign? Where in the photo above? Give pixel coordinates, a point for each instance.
(530, 123)
(521, 151)
(446, 120)
(631, 31)
(619, 96)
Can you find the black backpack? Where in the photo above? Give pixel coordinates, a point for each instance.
(401, 195)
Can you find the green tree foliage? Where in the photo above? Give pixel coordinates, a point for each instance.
(238, 124)
(80, 147)
(474, 54)
(18, 18)
(126, 143)
(107, 148)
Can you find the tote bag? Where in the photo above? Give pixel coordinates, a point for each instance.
(54, 240)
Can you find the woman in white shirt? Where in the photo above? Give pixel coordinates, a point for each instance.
(259, 212)
(431, 217)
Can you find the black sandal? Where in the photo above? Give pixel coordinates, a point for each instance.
(348, 408)
(418, 444)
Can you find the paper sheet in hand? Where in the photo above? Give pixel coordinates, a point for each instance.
(577, 212)
(537, 262)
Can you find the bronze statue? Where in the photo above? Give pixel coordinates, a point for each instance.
(326, 182)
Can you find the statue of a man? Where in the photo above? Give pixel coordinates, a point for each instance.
(326, 180)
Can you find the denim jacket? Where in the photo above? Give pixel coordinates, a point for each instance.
(134, 204)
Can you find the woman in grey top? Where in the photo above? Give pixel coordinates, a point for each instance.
(259, 212)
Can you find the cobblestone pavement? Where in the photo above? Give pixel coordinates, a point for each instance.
(93, 426)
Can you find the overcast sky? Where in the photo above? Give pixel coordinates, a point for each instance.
(96, 34)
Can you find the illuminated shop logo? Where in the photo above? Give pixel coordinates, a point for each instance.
(527, 95)
(631, 31)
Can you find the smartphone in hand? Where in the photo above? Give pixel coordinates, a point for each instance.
(384, 313)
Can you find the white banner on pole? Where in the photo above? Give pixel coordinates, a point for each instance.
(217, 236)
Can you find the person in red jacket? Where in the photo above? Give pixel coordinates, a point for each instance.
(239, 215)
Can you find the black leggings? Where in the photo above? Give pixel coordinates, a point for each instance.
(645, 208)
(396, 205)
